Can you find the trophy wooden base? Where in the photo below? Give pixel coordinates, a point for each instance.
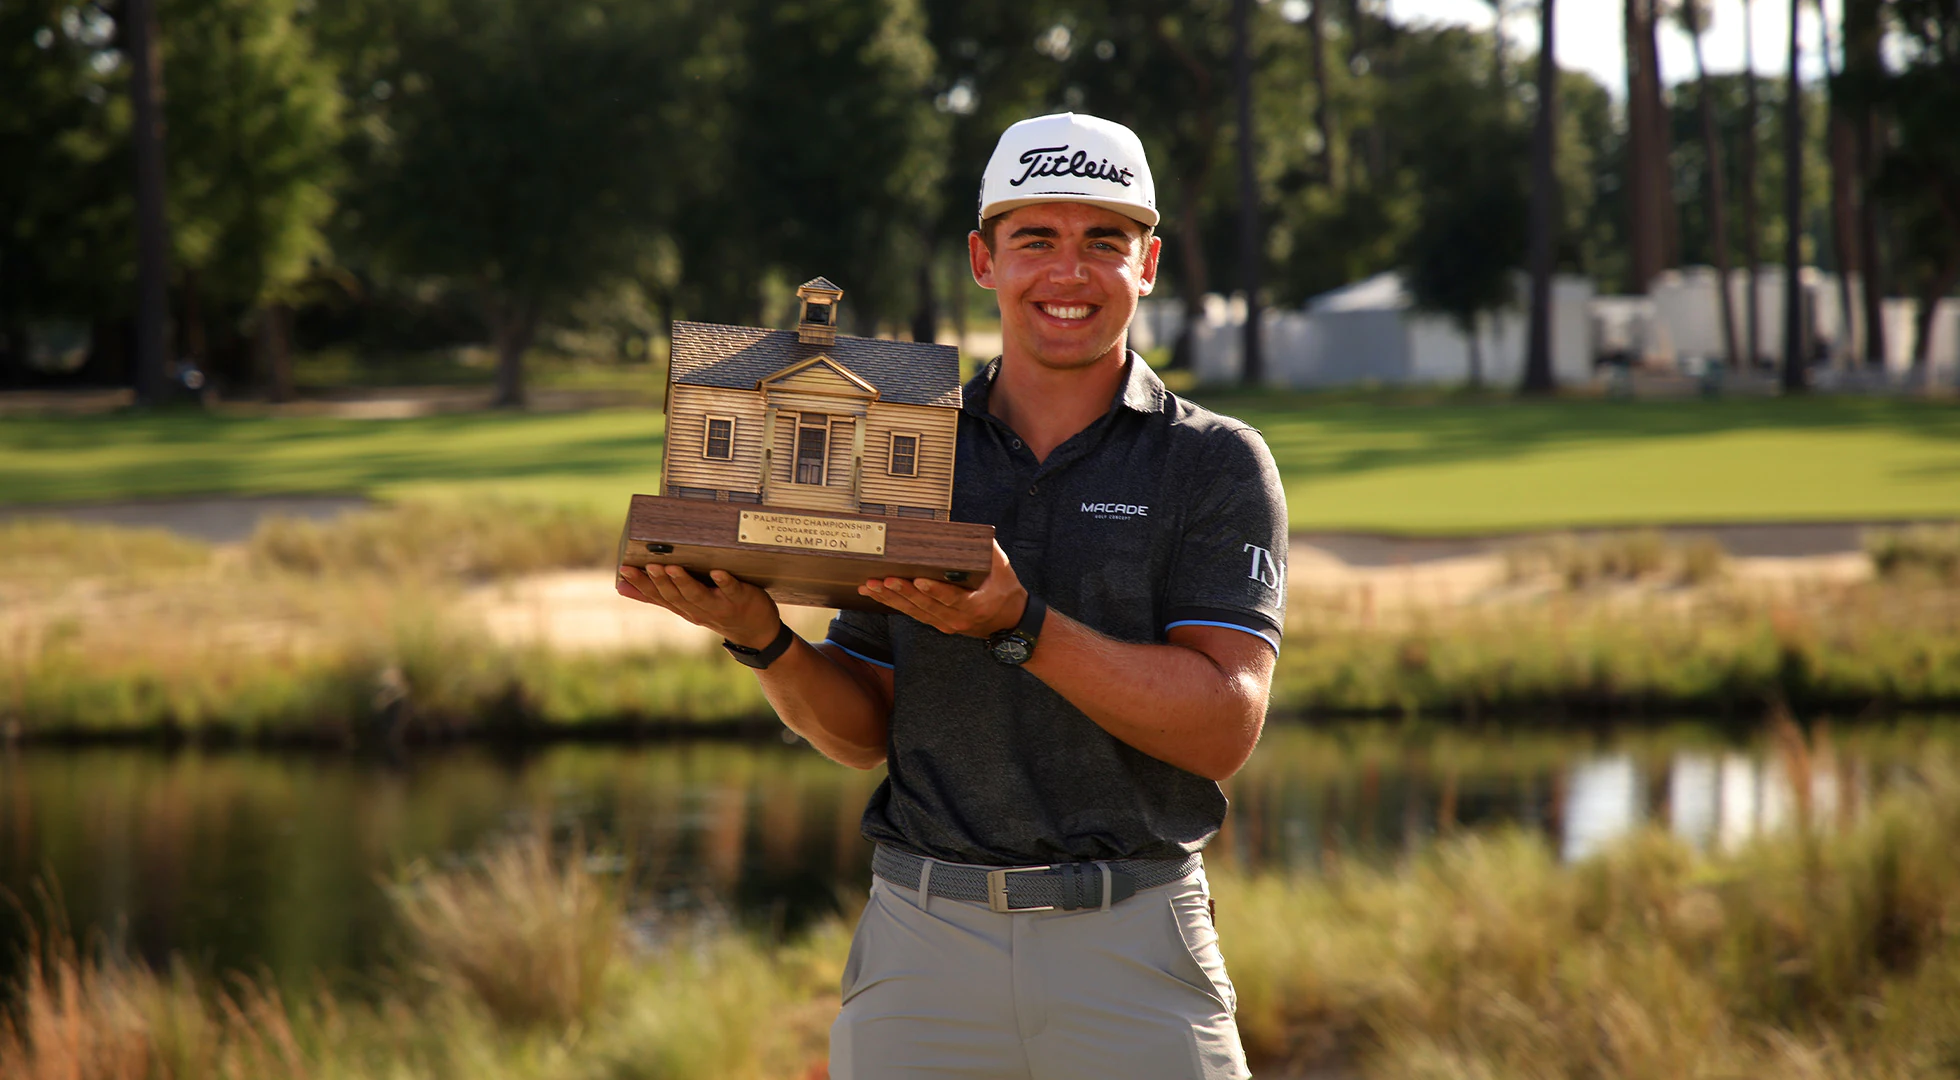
(812, 558)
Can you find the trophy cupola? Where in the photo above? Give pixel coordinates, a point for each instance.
(818, 322)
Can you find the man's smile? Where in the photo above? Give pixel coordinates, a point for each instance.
(1067, 312)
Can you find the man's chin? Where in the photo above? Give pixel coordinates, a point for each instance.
(1073, 355)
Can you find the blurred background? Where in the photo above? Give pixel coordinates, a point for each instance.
(1608, 352)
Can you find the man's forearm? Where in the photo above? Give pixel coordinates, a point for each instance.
(1173, 702)
(820, 699)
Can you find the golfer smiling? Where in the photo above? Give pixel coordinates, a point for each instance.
(1055, 737)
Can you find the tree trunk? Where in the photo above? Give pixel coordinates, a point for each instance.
(191, 339)
(1841, 148)
(1752, 235)
(925, 312)
(273, 345)
(513, 325)
(1191, 185)
(1538, 378)
(1252, 369)
(139, 23)
(1197, 282)
(1863, 33)
(1794, 374)
(1643, 221)
(1470, 329)
(1718, 226)
(1323, 105)
(1660, 184)
(1496, 45)
(14, 347)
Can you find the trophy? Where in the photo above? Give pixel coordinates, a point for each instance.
(804, 461)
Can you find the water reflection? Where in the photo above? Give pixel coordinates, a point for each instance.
(256, 861)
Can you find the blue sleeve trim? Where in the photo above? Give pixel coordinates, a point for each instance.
(1260, 634)
(859, 655)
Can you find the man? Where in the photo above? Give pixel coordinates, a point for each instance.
(1055, 736)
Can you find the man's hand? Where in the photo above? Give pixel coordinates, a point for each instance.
(733, 608)
(996, 605)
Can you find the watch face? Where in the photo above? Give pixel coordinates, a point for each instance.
(1012, 649)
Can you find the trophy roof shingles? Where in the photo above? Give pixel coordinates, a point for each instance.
(821, 283)
(738, 357)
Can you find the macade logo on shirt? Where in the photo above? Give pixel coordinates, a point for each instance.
(1065, 164)
(1111, 511)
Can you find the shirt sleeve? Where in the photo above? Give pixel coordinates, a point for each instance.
(1230, 567)
(864, 634)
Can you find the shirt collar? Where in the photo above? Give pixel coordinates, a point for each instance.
(1142, 390)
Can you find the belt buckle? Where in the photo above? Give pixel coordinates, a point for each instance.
(997, 888)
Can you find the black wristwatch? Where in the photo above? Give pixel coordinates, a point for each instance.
(763, 657)
(1014, 646)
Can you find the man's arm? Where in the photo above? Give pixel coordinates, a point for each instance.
(1197, 702)
(841, 704)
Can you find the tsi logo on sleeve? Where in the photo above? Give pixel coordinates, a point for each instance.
(1264, 570)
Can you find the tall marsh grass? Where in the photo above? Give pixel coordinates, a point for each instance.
(531, 934)
(520, 966)
(1579, 562)
(1810, 954)
(1828, 950)
(474, 540)
(1923, 553)
(352, 630)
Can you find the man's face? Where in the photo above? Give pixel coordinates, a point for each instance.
(1067, 276)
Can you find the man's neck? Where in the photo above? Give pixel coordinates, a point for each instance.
(1046, 406)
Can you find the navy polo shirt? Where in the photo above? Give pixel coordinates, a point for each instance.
(1159, 514)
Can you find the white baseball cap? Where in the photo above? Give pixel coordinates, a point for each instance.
(1069, 157)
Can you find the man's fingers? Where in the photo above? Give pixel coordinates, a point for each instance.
(693, 591)
(643, 591)
(905, 606)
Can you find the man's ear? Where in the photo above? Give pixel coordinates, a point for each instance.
(1148, 279)
(981, 259)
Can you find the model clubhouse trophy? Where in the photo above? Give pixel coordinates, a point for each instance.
(804, 461)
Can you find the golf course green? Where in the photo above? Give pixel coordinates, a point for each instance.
(1348, 462)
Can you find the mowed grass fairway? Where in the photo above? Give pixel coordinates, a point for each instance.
(1348, 462)
(596, 458)
(1517, 465)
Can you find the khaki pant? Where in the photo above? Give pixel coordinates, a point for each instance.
(952, 989)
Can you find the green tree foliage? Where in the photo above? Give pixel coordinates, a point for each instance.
(1919, 173)
(1729, 97)
(518, 148)
(1471, 175)
(252, 129)
(452, 170)
(253, 122)
(65, 228)
(252, 133)
(835, 159)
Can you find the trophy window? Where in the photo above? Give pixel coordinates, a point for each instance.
(719, 442)
(905, 455)
(812, 444)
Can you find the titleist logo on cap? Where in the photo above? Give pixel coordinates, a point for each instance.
(1065, 164)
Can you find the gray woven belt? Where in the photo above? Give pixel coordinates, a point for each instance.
(1070, 886)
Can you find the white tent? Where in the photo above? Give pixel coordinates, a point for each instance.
(1370, 331)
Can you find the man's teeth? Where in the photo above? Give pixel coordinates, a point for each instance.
(1075, 311)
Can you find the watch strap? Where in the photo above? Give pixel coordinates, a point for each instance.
(760, 659)
(1032, 617)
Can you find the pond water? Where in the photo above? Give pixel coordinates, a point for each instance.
(278, 863)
